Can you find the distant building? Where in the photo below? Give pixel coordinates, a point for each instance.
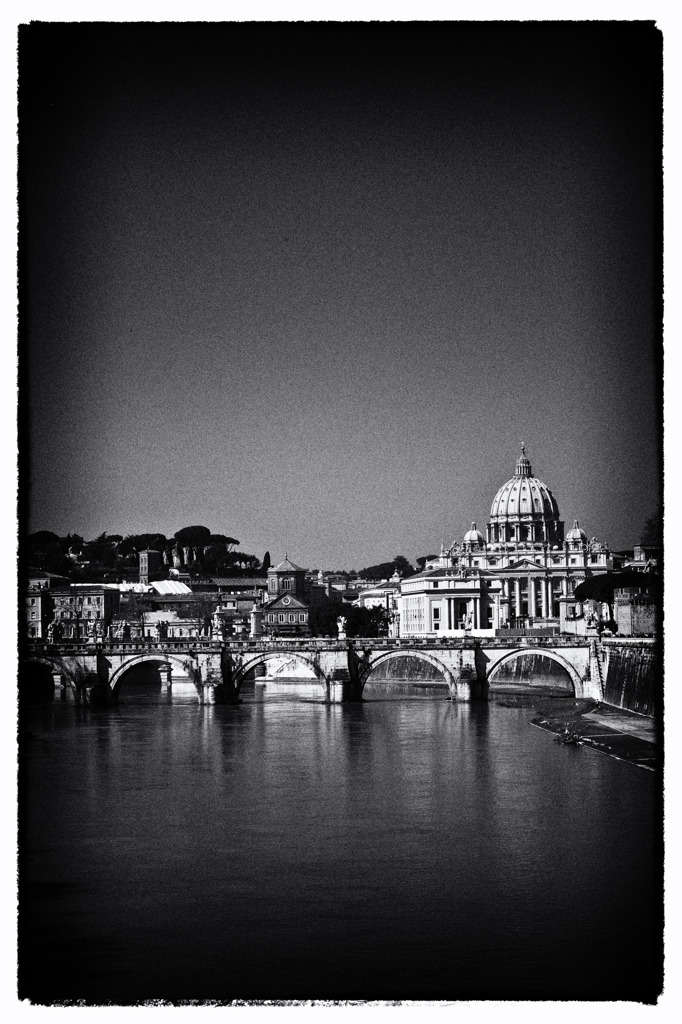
(85, 610)
(231, 585)
(644, 558)
(38, 579)
(522, 573)
(287, 610)
(383, 595)
(636, 608)
(150, 564)
(39, 609)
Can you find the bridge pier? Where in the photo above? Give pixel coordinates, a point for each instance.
(342, 688)
(60, 686)
(467, 687)
(166, 673)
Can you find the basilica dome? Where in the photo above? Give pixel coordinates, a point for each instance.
(576, 534)
(474, 536)
(524, 508)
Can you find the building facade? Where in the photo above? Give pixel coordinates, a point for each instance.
(287, 610)
(522, 573)
(39, 607)
(84, 610)
(150, 564)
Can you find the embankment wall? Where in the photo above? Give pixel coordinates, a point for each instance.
(634, 674)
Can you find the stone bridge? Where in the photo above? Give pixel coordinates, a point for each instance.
(93, 673)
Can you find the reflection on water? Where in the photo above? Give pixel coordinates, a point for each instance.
(298, 849)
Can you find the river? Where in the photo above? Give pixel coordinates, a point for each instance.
(292, 849)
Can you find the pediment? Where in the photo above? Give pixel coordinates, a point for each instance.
(286, 603)
(525, 565)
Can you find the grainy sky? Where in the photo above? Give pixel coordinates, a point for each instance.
(312, 286)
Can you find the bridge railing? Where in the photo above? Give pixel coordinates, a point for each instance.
(528, 631)
(188, 645)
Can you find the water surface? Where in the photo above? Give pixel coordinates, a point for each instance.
(411, 848)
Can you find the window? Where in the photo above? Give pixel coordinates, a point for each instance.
(436, 613)
(33, 600)
(301, 617)
(280, 617)
(271, 618)
(292, 617)
(435, 585)
(287, 584)
(33, 615)
(574, 561)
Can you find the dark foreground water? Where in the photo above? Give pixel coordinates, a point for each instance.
(291, 849)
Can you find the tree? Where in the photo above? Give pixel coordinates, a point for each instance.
(220, 538)
(58, 563)
(134, 542)
(266, 562)
(381, 571)
(322, 617)
(251, 563)
(402, 566)
(203, 607)
(134, 608)
(193, 536)
(72, 540)
(234, 563)
(367, 622)
(384, 570)
(42, 538)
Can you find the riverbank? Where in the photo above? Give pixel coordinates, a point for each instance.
(614, 731)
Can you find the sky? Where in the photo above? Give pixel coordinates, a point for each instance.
(312, 286)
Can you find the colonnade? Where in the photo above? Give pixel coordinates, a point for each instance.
(540, 595)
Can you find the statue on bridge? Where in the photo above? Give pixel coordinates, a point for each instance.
(217, 626)
(341, 627)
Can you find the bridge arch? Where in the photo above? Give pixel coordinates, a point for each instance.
(365, 671)
(240, 671)
(551, 655)
(36, 677)
(183, 664)
(41, 659)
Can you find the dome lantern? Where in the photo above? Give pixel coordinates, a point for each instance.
(523, 466)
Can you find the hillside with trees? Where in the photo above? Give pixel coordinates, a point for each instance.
(384, 570)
